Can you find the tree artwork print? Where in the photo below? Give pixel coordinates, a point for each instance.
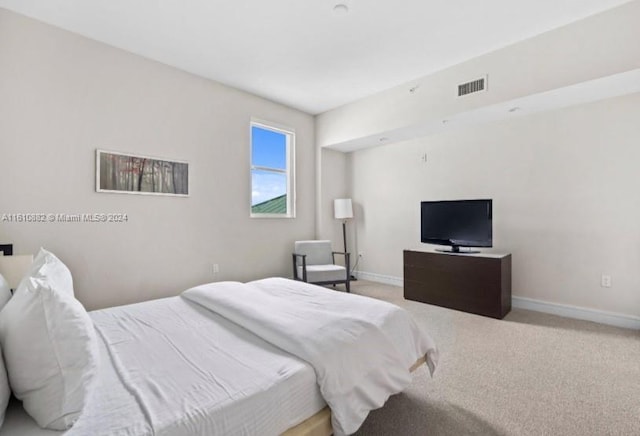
(138, 174)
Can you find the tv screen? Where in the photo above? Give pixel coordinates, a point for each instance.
(457, 223)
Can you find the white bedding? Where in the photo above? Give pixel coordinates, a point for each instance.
(361, 349)
(171, 367)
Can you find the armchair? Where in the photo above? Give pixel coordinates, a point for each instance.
(314, 262)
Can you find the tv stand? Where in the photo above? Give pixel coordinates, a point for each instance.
(477, 283)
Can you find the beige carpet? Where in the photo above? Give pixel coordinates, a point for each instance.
(529, 374)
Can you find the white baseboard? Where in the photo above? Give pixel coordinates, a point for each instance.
(380, 278)
(575, 312)
(599, 316)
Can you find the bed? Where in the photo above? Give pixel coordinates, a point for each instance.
(176, 366)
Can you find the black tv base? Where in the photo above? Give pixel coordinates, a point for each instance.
(456, 249)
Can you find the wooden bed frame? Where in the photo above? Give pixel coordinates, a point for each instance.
(320, 423)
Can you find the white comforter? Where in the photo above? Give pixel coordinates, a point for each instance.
(361, 348)
(171, 367)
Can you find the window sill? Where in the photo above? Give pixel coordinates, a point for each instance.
(270, 215)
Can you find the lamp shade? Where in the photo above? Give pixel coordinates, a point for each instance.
(342, 208)
(14, 268)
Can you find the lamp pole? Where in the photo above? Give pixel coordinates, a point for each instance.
(343, 209)
(344, 234)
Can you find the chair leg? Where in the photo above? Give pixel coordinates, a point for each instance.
(348, 286)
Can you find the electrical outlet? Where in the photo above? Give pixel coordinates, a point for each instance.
(216, 268)
(605, 282)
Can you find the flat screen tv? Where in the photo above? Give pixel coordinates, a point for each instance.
(457, 223)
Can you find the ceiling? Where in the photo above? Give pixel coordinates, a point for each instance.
(301, 52)
(580, 93)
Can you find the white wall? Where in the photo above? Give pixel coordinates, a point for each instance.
(565, 191)
(334, 173)
(63, 96)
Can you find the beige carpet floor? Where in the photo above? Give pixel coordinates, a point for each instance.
(529, 374)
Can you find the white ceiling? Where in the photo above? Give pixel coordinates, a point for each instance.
(585, 92)
(301, 53)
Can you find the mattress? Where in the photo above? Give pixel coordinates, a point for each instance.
(171, 367)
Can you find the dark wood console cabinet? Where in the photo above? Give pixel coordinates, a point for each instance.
(476, 283)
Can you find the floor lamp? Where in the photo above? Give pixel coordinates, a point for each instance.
(343, 210)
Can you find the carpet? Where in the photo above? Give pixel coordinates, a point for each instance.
(529, 374)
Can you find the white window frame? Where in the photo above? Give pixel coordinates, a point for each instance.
(290, 136)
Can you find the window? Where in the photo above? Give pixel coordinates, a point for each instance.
(272, 193)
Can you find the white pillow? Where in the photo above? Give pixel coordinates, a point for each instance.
(5, 292)
(5, 390)
(50, 346)
(47, 265)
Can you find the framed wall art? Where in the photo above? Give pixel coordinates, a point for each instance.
(134, 174)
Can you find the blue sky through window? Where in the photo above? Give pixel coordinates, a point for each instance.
(268, 149)
(267, 186)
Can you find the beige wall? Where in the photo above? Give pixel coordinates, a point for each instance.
(565, 190)
(63, 96)
(334, 171)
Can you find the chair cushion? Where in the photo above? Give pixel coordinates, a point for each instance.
(318, 252)
(324, 273)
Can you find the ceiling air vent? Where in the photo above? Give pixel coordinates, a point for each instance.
(473, 86)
